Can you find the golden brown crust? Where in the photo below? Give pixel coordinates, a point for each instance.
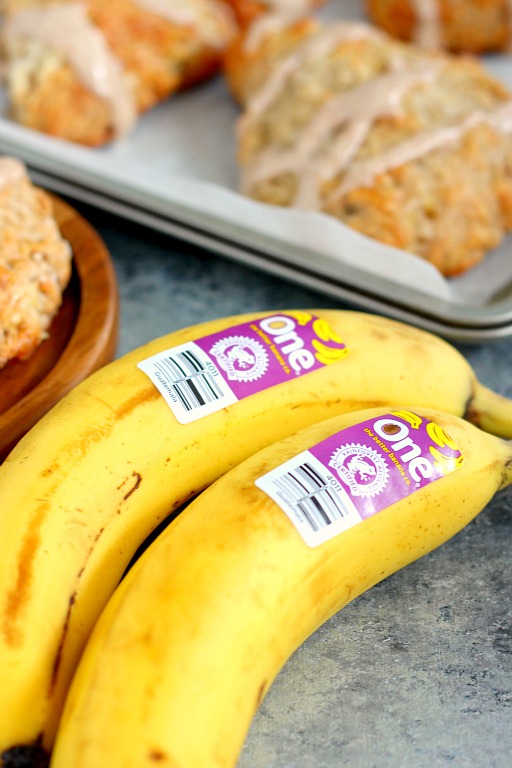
(46, 95)
(160, 57)
(249, 11)
(449, 210)
(246, 67)
(35, 267)
(157, 57)
(471, 26)
(416, 161)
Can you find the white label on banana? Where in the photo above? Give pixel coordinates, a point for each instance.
(312, 497)
(202, 376)
(189, 381)
(358, 472)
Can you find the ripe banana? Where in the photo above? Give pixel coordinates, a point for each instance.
(193, 637)
(84, 488)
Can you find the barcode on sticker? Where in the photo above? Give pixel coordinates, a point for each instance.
(189, 381)
(314, 500)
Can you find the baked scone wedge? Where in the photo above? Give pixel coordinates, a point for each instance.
(35, 263)
(470, 26)
(409, 147)
(84, 70)
(249, 11)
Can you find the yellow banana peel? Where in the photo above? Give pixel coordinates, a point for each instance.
(84, 488)
(192, 639)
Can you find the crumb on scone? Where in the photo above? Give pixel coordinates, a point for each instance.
(35, 263)
(412, 148)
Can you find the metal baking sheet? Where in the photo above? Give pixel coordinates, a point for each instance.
(177, 173)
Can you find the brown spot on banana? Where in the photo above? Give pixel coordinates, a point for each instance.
(50, 470)
(261, 694)
(171, 515)
(190, 495)
(19, 595)
(137, 480)
(58, 655)
(97, 434)
(145, 395)
(82, 569)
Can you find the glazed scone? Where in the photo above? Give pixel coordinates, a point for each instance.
(84, 70)
(471, 26)
(35, 263)
(249, 11)
(409, 147)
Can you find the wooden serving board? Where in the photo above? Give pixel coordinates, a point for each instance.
(82, 337)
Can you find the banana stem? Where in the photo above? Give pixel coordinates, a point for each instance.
(490, 411)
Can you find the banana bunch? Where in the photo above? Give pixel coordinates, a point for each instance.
(193, 637)
(119, 454)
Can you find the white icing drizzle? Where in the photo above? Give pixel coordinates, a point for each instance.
(363, 173)
(12, 171)
(354, 112)
(209, 19)
(280, 13)
(316, 45)
(67, 28)
(427, 30)
(179, 12)
(267, 24)
(328, 145)
(289, 6)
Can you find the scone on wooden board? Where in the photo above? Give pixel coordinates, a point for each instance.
(35, 263)
(84, 70)
(410, 147)
(471, 26)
